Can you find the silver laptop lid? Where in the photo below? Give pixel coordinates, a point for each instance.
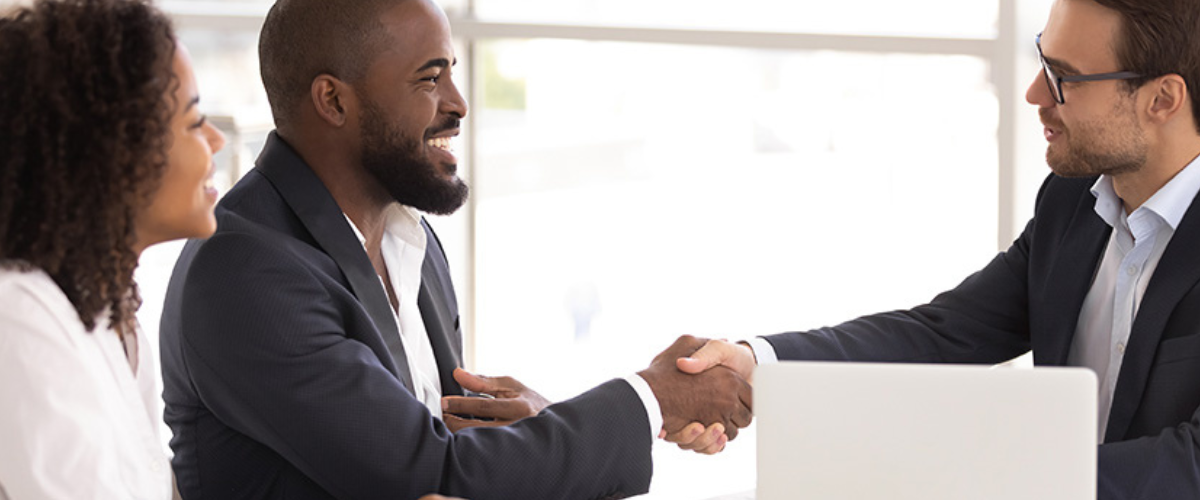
(928, 432)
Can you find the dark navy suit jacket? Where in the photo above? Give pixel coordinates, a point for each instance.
(285, 377)
(1030, 297)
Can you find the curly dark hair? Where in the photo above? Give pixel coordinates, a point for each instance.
(84, 118)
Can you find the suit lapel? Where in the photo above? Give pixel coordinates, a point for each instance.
(439, 312)
(1070, 278)
(1176, 273)
(319, 212)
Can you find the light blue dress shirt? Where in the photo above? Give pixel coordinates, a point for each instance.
(1134, 249)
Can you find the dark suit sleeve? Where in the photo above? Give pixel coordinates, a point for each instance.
(985, 319)
(1165, 466)
(268, 352)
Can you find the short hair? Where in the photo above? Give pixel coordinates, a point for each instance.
(1160, 37)
(302, 39)
(84, 107)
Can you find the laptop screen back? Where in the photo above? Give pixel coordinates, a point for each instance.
(928, 432)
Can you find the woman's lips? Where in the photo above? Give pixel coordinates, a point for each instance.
(210, 187)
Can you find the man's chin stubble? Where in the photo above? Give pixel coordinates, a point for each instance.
(1091, 166)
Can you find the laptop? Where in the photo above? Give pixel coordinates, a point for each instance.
(930, 432)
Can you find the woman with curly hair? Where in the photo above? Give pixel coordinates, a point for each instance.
(103, 153)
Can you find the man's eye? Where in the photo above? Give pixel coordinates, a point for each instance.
(431, 79)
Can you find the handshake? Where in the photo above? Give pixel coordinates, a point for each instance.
(702, 387)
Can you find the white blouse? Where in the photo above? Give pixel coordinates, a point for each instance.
(76, 422)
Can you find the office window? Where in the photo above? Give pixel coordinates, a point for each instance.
(915, 18)
(629, 193)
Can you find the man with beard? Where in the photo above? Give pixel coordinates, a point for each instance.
(1106, 274)
(308, 344)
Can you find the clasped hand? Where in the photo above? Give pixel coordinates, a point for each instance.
(737, 358)
(697, 382)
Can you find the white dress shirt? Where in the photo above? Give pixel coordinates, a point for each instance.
(77, 421)
(1134, 249)
(1137, 244)
(403, 248)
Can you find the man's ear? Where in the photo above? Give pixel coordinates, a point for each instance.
(1169, 97)
(330, 97)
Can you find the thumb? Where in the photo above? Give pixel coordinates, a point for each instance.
(708, 356)
(473, 382)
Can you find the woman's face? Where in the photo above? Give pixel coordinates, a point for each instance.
(182, 205)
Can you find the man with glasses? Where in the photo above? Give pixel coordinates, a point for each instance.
(1106, 275)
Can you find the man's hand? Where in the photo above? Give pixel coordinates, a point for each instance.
(511, 401)
(717, 395)
(736, 357)
(695, 437)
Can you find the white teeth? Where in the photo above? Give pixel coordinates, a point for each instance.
(209, 183)
(442, 143)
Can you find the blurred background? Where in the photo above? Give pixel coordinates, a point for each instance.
(643, 169)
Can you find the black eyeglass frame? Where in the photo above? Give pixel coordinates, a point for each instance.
(1055, 81)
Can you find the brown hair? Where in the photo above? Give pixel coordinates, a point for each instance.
(1160, 37)
(85, 117)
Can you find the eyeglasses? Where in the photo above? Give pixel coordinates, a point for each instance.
(1055, 81)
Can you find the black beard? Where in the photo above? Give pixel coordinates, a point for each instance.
(396, 162)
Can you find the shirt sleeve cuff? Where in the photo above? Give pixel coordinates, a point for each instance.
(649, 402)
(764, 353)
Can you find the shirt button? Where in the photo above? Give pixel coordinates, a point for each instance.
(1121, 347)
(1131, 270)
